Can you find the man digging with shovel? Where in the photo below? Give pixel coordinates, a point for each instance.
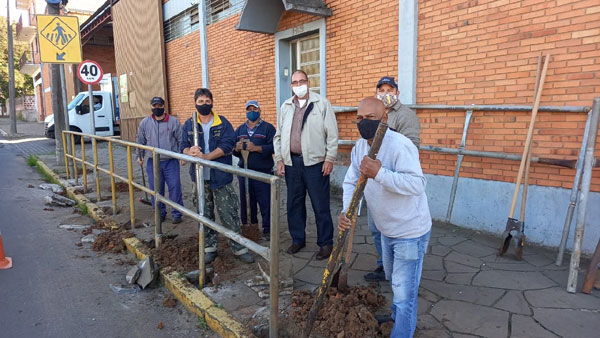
(395, 192)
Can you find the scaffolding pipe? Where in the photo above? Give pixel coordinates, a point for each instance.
(459, 159)
(552, 109)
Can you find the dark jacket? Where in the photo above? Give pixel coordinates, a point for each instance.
(221, 136)
(263, 136)
(164, 134)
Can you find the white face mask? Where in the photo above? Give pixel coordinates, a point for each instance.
(300, 91)
(388, 99)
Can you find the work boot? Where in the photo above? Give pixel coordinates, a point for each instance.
(266, 236)
(376, 276)
(209, 257)
(324, 252)
(383, 319)
(295, 248)
(246, 258)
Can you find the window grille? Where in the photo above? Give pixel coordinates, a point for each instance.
(181, 24)
(218, 10)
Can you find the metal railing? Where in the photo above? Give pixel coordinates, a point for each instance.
(461, 152)
(271, 253)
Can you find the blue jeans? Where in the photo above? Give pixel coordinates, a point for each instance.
(376, 237)
(169, 173)
(403, 262)
(300, 179)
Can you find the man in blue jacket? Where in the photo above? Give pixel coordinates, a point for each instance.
(162, 131)
(216, 140)
(256, 136)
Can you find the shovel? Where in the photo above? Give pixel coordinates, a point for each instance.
(340, 278)
(144, 200)
(336, 253)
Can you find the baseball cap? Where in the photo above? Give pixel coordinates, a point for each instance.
(157, 100)
(389, 80)
(252, 103)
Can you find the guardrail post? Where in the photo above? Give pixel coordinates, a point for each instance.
(73, 158)
(95, 147)
(83, 165)
(200, 206)
(64, 141)
(131, 197)
(157, 200)
(274, 260)
(112, 178)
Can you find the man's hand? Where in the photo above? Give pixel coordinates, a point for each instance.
(343, 222)
(140, 161)
(280, 168)
(327, 168)
(195, 151)
(252, 147)
(239, 146)
(369, 167)
(182, 163)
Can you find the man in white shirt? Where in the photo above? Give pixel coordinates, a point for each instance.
(395, 193)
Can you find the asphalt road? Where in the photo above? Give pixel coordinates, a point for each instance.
(58, 289)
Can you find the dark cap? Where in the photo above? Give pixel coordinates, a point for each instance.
(389, 80)
(157, 100)
(252, 103)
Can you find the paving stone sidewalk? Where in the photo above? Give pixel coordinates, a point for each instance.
(466, 289)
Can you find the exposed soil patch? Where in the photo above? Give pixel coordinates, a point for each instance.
(251, 232)
(121, 187)
(97, 225)
(169, 301)
(342, 315)
(112, 241)
(180, 254)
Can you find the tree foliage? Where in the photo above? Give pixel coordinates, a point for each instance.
(23, 83)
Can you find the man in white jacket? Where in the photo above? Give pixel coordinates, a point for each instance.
(395, 193)
(305, 147)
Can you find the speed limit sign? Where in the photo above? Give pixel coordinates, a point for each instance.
(90, 72)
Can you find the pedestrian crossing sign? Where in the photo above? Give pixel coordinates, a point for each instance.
(59, 39)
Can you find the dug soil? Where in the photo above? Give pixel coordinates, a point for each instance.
(251, 232)
(349, 315)
(180, 254)
(121, 187)
(112, 241)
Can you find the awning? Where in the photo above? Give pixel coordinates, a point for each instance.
(262, 16)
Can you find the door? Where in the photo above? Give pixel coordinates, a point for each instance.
(102, 114)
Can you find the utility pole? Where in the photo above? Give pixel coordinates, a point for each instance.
(57, 98)
(11, 73)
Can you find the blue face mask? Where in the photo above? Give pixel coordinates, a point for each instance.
(253, 115)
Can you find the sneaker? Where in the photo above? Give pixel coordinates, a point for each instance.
(209, 257)
(177, 220)
(376, 276)
(246, 258)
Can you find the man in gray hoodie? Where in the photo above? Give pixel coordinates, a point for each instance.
(162, 131)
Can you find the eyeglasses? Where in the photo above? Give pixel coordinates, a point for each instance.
(299, 82)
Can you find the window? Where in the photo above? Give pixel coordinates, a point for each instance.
(181, 24)
(305, 56)
(220, 9)
(85, 106)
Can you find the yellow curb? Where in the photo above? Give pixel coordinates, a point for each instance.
(193, 299)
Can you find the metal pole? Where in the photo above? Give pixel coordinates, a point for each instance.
(459, 159)
(583, 198)
(64, 144)
(200, 206)
(157, 200)
(96, 173)
(73, 158)
(203, 42)
(91, 102)
(83, 165)
(11, 74)
(112, 178)
(574, 193)
(130, 181)
(274, 262)
(63, 88)
(57, 106)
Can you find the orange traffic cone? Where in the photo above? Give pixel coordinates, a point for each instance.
(5, 262)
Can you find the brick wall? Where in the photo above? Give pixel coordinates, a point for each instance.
(183, 76)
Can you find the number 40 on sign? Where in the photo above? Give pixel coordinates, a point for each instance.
(90, 72)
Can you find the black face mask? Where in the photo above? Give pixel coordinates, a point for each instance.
(158, 111)
(204, 109)
(367, 128)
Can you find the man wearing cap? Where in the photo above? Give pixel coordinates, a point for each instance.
(160, 130)
(305, 149)
(256, 136)
(405, 121)
(216, 140)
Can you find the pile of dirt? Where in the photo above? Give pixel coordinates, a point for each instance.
(342, 315)
(112, 241)
(121, 187)
(251, 232)
(180, 254)
(169, 301)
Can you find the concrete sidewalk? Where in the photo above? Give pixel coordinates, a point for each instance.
(466, 290)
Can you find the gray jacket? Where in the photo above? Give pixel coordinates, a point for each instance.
(405, 121)
(165, 134)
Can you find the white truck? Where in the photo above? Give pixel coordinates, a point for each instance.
(106, 115)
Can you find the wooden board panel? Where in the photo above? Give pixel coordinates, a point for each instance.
(129, 128)
(139, 53)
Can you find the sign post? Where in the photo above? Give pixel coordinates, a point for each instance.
(90, 73)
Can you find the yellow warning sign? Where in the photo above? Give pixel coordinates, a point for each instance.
(59, 39)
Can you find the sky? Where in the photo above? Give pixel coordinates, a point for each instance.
(88, 5)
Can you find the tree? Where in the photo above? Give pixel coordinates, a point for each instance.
(23, 83)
